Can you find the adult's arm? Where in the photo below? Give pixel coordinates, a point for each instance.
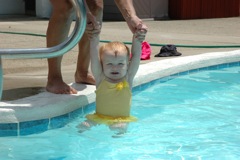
(128, 11)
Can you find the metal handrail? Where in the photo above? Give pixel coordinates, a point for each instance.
(50, 52)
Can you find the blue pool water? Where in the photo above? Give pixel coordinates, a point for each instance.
(191, 116)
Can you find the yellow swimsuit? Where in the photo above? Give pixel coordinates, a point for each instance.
(113, 102)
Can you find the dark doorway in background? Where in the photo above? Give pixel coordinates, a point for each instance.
(30, 7)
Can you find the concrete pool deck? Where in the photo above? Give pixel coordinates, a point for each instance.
(24, 96)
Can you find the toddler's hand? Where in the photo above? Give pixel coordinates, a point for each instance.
(141, 32)
(93, 29)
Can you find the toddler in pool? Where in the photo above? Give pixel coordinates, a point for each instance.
(114, 71)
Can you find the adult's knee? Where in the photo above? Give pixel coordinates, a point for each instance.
(62, 8)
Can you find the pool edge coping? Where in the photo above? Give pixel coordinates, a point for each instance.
(46, 105)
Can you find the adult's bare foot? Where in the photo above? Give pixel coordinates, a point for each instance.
(84, 78)
(60, 87)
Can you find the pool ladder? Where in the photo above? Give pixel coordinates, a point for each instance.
(58, 50)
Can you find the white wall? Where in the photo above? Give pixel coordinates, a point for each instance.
(151, 8)
(12, 7)
(144, 9)
(43, 8)
(159, 8)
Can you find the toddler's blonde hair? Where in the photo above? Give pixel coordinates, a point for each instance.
(116, 47)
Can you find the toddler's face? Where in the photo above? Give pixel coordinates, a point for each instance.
(114, 65)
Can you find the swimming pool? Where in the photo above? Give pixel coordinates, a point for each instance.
(188, 115)
(45, 107)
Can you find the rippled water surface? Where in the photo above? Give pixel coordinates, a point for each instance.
(195, 116)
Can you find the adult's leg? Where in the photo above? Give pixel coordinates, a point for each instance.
(82, 74)
(57, 32)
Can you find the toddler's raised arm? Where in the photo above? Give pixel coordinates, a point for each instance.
(93, 31)
(136, 50)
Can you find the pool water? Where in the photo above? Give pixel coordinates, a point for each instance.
(192, 116)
